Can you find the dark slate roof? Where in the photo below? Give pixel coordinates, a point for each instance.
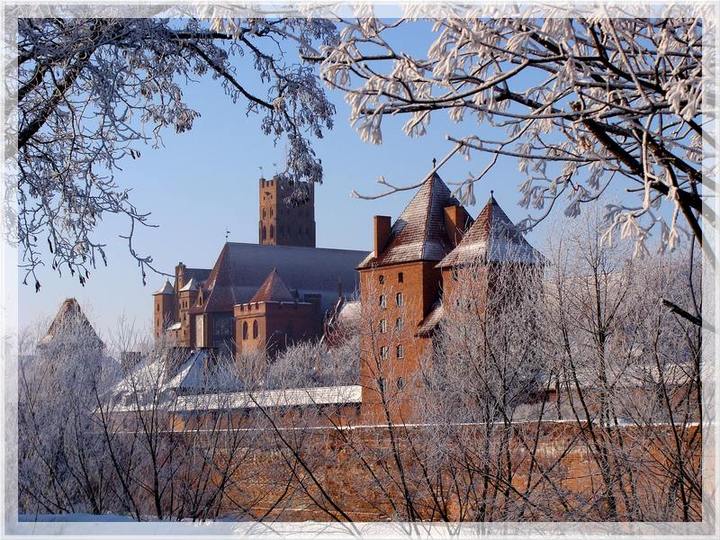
(198, 274)
(273, 289)
(71, 317)
(419, 233)
(492, 238)
(241, 269)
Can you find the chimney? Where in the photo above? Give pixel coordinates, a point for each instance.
(382, 233)
(456, 222)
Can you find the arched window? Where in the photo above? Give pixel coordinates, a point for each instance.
(272, 231)
(255, 329)
(245, 330)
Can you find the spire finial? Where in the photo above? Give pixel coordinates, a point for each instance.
(492, 193)
(434, 162)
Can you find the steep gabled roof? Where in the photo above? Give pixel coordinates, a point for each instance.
(71, 318)
(273, 289)
(419, 233)
(492, 238)
(166, 289)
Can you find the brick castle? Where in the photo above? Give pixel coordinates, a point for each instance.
(283, 290)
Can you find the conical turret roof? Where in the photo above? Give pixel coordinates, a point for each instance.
(71, 318)
(419, 233)
(273, 289)
(492, 238)
(166, 289)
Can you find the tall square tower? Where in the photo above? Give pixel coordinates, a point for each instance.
(287, 213)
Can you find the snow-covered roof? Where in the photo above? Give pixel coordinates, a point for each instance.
(428, 324)
(326, 395)
(292, 397)
(419, 233)
(71, 317)
(190, 285)
(166, 289)
(492, 238)
(350, 312)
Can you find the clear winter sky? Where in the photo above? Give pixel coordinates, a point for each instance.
(206, 180)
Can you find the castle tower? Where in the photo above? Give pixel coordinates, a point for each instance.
(399, 288)
(283, 222)
(273, 319)
(164, 312)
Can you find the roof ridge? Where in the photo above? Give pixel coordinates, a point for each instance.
(431, 179)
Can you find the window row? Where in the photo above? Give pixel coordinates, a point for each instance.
(399, 352)
(400, 383)
(254, 330)
(400, 278)
(399, 300)
(383, 325)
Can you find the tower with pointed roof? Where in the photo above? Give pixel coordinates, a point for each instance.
(399, 286)
(287, 213)
(491, 241)
(274, 318)
(164, 310)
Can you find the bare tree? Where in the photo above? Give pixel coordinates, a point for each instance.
(629, 375)
(580, 102)
(90, 90)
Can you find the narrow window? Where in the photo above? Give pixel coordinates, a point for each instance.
(264, 232)
(272, 231)
(399, 299)
(400, 383)
(383, 301)
(400, 351)
(383, 326)
(255, 329)
(398, 323)
(383, 352)
(381, 279)
(245, 330)
(400, 277)
(381, 384)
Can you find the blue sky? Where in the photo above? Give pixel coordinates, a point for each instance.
(204, 181)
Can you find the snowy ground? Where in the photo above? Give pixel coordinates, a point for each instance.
(71, 518)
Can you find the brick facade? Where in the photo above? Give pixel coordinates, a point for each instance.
(286, 222)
